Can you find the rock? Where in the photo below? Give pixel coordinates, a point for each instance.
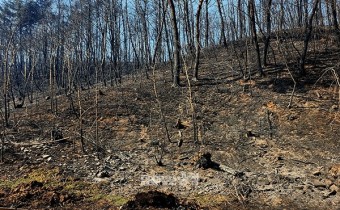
(103, 174)
(335, 107)
(231, 171)
(49, 159)
(108, 158)
(334, 188)
(261, 143)
(204, 161)
(266, 188)
(46, 156)
(154, 143)
(317, 173)
(306, 188)
(299, 187)
(250, 134)
(334, 170)
(328, 182)
(56, 134)
(120, 181)
(328, 194)
(202, 180)
(97, 179)
(210, 175)
(263, 181)
(318, 183)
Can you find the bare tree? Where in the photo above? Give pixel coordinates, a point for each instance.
(176, 45)
(308, 34)
(197, 40)
(252, 22)
(268, 31)
(335, 19)
(223, 37)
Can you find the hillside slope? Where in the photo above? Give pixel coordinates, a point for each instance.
(265, 154)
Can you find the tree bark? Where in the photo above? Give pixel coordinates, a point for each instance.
(206, 23)
(251, 8)
(176, 43)
(267, 36)
(308, 34)
(197, 41)
(223, 37)
(335, 20)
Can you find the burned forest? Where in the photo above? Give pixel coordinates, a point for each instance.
(164, 104)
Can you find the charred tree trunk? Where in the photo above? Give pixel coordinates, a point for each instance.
(223, 37)
(267, 36)
(176, 43)
(335, 20)
(197, 41)
(308, 34)
(251, 8)
(206, 23)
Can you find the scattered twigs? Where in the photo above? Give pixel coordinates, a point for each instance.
(289, 72)
(88, 140)
(191, 102)
(38, 143)
(337, 80)
(336, 77)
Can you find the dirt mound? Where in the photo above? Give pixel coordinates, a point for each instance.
(157, 200)
(36, 195)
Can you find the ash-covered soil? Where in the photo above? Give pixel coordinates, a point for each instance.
(264, 154)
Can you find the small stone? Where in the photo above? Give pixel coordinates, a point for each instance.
(49, 159)
(299, 187)
(317, 173)
(306, 187)
(335, 107)
(279, 158)
(334, 188)
(103, 174)
(108, 158)
(328, 194)
(335, 170)
(120, 181)
(318, 184)
(122, 168)
(45, 156)
(96, 179)
(261, 143)
(210, 175)
(154, 143)
(328, 182)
